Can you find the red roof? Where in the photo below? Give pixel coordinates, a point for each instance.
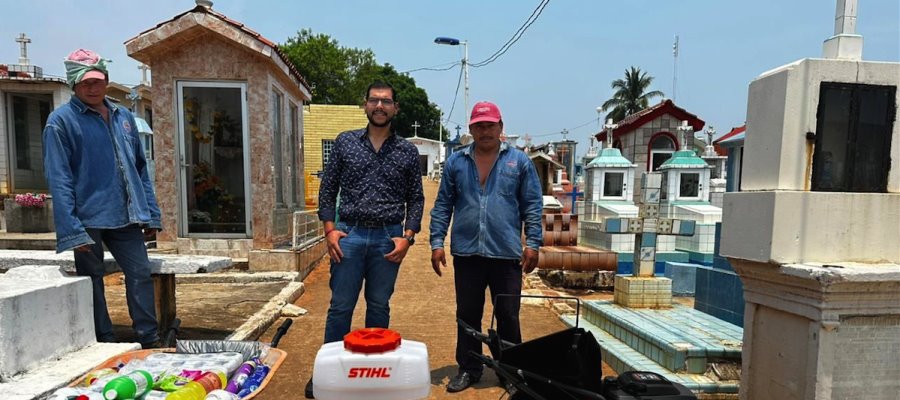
(638, 119)
(734, 132)
(242, 27)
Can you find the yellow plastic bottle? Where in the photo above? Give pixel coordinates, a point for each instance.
(197, 390)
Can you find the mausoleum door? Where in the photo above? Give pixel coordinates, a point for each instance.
(213, 147)
(27, 114)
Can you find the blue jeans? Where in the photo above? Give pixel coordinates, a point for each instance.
(127, 247)
(363, 261)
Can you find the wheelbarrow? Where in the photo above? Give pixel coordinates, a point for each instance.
(271, 356)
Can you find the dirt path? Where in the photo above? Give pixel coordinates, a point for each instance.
(422, 309)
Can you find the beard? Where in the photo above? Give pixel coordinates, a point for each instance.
(377, 124)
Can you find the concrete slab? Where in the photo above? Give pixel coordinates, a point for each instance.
(159, 263)
(49, 376)
(44, 314)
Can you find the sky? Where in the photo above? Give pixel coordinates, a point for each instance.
(553, 78)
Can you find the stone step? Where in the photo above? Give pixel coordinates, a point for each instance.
(159, 263)
(680, 339)
(621, 357)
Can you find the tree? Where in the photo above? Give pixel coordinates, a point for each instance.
(630, 96)
(340, 75)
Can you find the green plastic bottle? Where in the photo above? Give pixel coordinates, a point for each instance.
(135, 384)
(198, 389)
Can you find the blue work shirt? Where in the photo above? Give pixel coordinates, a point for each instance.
(97, 173)
(383, 186)
(488, 221)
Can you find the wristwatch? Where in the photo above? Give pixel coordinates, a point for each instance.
(411, 239)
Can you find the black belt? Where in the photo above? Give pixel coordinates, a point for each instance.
(369, 224)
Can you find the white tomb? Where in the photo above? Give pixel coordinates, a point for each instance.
(47, 334)
(685, 196)
(607, 194)
(814, 232)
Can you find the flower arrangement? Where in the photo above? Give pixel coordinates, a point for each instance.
(31, 200)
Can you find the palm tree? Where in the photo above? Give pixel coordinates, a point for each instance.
(629, 97)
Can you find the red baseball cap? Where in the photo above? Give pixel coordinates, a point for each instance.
(485, 111)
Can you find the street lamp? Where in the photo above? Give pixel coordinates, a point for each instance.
(465, 64)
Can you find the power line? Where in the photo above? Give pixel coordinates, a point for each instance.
(455, 94)
(593, 120)
(435, 67)
(516, 36)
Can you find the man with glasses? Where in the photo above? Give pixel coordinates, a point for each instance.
(376, 174)
(491, 190)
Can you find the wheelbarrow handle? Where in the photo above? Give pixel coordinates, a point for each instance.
(482, 337)
(281, 331)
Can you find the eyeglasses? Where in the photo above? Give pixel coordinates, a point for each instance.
(373, 101)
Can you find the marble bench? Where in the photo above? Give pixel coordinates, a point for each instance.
(163, 268)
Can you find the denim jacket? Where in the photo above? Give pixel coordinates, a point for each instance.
(97, 173)
(488, 221)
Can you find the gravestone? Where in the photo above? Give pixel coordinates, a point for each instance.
(813, 236)
(644, 289)
(47, 334)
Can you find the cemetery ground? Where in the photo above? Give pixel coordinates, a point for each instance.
(422, 309)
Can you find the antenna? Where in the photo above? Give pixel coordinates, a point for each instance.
(674, 67)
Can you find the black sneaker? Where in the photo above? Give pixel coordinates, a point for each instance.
(461, 382)
(309, 389)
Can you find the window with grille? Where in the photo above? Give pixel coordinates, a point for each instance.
(327, 145)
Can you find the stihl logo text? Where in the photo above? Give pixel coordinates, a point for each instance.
(365, 372)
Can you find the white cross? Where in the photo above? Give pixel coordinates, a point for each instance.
(609, 127)
(416, 126)
(648, 225)
(710, 149)
(845, 17)
(23, 44)
(710, 132)
(683, 134)
(144, 68)
(564, 133)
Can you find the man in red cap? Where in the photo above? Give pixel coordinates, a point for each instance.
(492, 191)
(102, 194)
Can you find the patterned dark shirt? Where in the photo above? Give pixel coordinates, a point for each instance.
(383, 186)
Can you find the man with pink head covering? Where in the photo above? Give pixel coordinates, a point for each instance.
(492, 192)
(102, 194)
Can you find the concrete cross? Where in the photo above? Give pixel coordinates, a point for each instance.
(564, 133)
(845, 17)
(23, 44)
(683, 130)
(574, 194)
(144, 68)
(609, 127)
(710, 149)
(648, 225)
(416, 126)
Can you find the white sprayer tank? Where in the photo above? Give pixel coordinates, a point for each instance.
(372, 364)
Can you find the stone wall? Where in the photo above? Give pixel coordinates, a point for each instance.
(325, 122)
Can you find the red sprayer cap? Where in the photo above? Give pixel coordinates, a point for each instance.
(372, 340)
